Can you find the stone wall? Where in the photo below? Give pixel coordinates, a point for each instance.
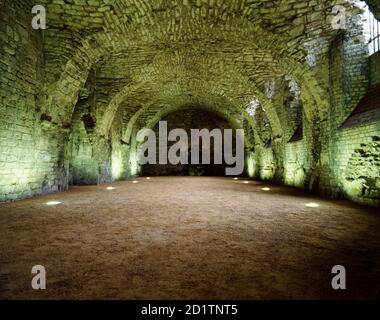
(357, 165)
(32, 153)
(298, 160)
(84, 167)
(352, 147)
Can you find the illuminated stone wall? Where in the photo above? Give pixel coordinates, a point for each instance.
(297, 162)
(32, 147)
(84, 167)
(357, 165)
(353, 144)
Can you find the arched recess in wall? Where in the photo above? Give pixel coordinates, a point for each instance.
(150, 119)
(150, 115)
(218, 104)
(146, 121)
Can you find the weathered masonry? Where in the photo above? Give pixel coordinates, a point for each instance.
(73, 96)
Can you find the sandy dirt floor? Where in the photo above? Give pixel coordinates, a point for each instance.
(188, 238)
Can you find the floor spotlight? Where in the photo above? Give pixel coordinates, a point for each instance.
(236, 179)
(312, 205)
(246, 182)
(53, 203)
(148, 178)
(111, 188)
(135, 182)
(265, 189)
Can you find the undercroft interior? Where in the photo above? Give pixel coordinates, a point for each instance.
(303, 86)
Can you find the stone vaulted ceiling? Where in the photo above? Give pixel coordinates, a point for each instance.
(145, 56)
